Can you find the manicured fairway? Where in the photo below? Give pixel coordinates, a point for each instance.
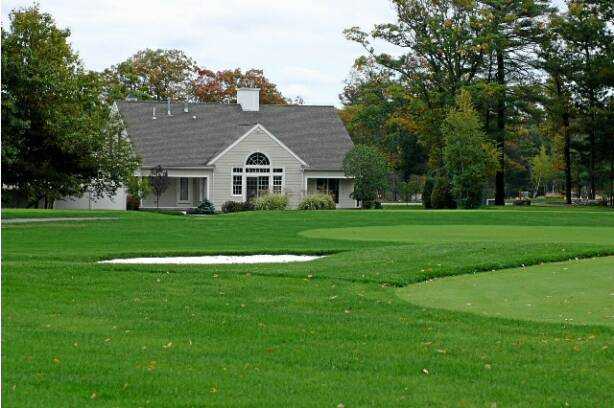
(468, 233)
(319, 333)
(577, 292)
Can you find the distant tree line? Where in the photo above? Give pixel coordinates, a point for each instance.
(517, 79)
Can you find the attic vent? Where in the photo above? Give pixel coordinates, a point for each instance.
(186, 107)
(153, 114)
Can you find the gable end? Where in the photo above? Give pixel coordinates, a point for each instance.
(249, 132)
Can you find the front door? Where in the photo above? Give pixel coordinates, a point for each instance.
(256, 186)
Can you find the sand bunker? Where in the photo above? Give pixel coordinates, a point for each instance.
(216, 259)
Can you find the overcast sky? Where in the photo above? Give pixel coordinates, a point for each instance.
(299, 43)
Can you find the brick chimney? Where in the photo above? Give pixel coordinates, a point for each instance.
(249, 99)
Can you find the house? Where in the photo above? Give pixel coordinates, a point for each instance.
(223, 152)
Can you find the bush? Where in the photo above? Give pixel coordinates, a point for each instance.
(522, 201)
(472, 199)
(441, 197)
(427, 192)
(132, 203)
(317, 202)
(372, 205)
(237, 206)
(271, 202)
(205, 207)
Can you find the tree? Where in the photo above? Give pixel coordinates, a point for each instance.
(468, 156)
(151, 74)
(221, 86)
(159, 182)
(116, 157)
(369, 168)
(442, 50)
(59, 137)
(512, 27)
(553, 59)
(412, 187)
(543, 170)
(586, 30)
(138, 187)
(441, 195)
(375, 113)
(427, 193)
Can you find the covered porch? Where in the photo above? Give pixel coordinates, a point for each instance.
(186, 189)
(335, 184)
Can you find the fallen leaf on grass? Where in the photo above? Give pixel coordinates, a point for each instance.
(425, 371)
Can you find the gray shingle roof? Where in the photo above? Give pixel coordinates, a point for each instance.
(314, 133)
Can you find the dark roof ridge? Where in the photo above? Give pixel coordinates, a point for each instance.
(151, 101)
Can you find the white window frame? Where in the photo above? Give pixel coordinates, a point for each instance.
(283, 179)
(245, 173)
(232, 183)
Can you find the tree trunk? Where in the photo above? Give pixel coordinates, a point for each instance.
(500, 175)
(591, 163)
(611, 180)
(567, 152)
(566, 138)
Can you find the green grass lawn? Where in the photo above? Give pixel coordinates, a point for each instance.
(321, 333)
(574, 292)
(38, 213)
(469, 233)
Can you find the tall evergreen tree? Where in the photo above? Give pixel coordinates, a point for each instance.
(586, 30)
(513, 28)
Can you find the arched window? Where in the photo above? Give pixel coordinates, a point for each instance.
(257, 159)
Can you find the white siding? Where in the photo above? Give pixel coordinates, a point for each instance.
(257, 141)
(86, 202)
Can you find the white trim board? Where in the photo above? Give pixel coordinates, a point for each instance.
(246, 134)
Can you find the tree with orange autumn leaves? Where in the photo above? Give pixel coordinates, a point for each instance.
(169, 73)
(221, 86)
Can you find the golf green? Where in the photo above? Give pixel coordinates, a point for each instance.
(573, 292)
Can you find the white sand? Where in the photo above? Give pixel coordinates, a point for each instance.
(216, 259)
